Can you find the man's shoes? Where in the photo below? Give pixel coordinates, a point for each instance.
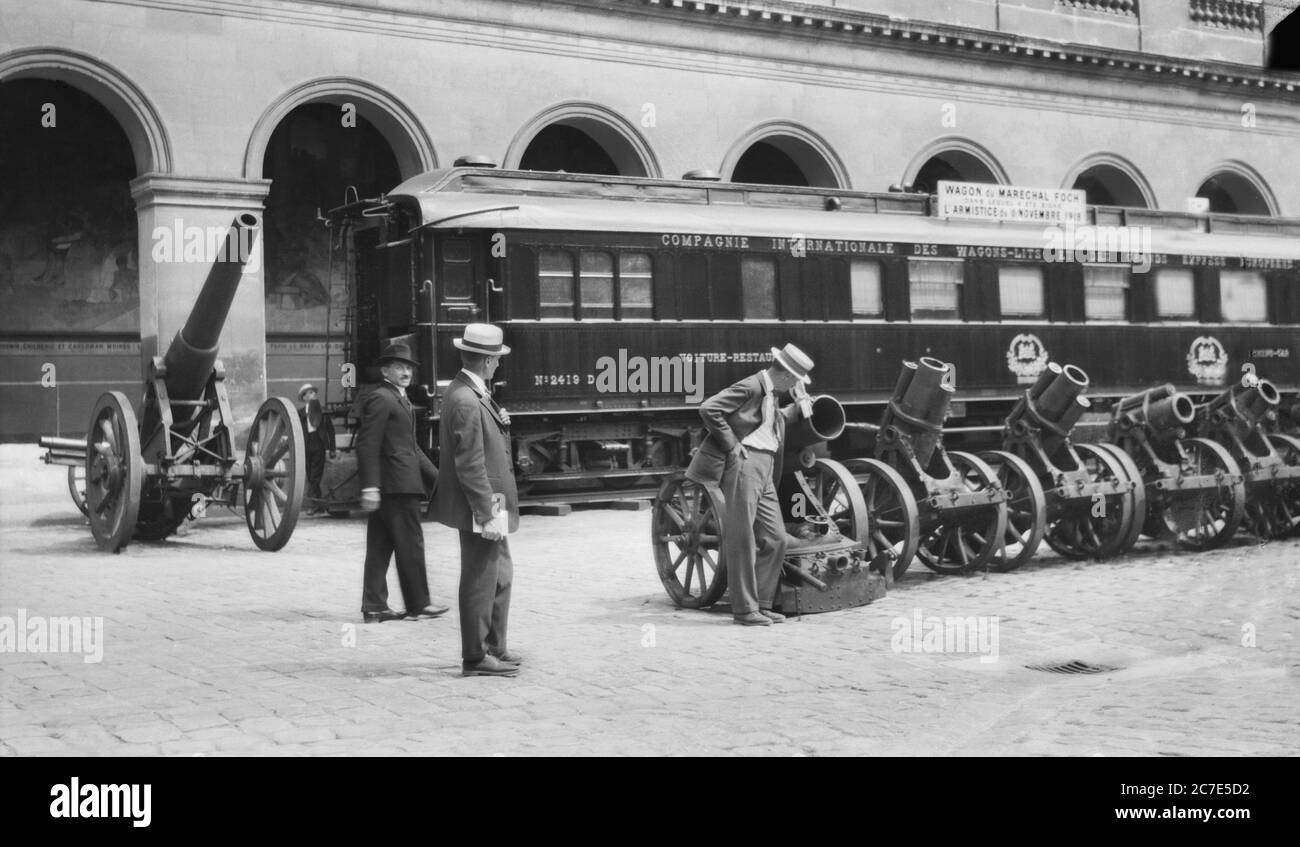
(430, 611)
(752, 619)
(774, 617)
(488, 666)
(509, 658)
(382, 615)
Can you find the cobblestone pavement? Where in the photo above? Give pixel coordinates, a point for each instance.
(211, 647)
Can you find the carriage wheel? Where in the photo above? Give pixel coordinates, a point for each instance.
(1284, 503)
(1139, 495)
(1026, 510)
(892, 515)
(114, 471)
(77, 486)
(1205, 519)
(832, 488)
(686, 531)
(275, 470)
(966, 539)
(1087, 528)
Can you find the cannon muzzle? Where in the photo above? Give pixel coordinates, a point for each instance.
(1164, 413)
(193, 351)
(1243, 404)
(920, 404)
(826, 424)
(1058, 397)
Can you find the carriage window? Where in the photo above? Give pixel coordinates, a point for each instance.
(597, 285)
(934, 286)
(457, 273)
(864, 286)
(1020, 288)
(635, 286)
(1103, 292)
(1175, 293)
(555, 275)
(758, 287)
(1242, 295)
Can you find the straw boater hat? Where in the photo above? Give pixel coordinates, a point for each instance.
(482, 338)
(306, 386)
(398, 353)
(795, 361)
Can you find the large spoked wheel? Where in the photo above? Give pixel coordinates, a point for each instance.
(1092, 528)
(275, 472)
(77, 487)
(1026, 510)
(966, 539)
(823, 497)
(1207, 518)
(1283, 502)
(686, 531)
(893, 519)
(114, 471)
(1139, 495)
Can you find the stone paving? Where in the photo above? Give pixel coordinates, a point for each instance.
(210, 647)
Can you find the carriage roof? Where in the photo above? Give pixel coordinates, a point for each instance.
(480, 198)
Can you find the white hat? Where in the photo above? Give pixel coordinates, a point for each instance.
(795, 361)
(482, 338)
(306, 386)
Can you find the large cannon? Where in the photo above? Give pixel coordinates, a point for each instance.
(1079, 498)
(1240, 419)
(945, 507)
(1194, 488)
(142, 480)
(826, 565)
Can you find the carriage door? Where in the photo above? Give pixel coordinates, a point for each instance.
(461, 294)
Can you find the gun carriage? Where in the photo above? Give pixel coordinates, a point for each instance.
(1195, 492)
(144, 477)
(945, 507)
(1240, 419)
(826, 567)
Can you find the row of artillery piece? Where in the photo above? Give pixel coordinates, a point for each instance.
(1159, 466)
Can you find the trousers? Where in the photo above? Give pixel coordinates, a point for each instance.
(754, 543)
(486, 575)
(394, 528)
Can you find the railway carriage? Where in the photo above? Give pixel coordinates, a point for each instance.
(628, 300)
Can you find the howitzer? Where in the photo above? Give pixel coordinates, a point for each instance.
(1240, 419)
(142, 481)
(1079, 498)
(1195, 492)
(826, 565)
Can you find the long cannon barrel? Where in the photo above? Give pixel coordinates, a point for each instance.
(1162, 411)
(193, 351)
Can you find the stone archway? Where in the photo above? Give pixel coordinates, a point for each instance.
(582, 137)
(1236, 188)
(784, 153)
(953, 158)
(1110, 180)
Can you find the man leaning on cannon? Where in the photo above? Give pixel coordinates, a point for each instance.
(742, 455)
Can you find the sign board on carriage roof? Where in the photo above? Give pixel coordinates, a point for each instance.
(978, 201)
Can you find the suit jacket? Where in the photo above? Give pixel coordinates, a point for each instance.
(324, 434)
(474, 448)
(729, 416)
(387, 456)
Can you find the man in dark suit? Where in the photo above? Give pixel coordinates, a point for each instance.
(477, 496)
(318, 438)
(742, 455)
(394, 475)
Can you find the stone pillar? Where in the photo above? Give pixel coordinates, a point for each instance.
(172, 214)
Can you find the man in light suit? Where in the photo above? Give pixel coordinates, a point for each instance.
(395, 474)
(478, 497)
(742, 455)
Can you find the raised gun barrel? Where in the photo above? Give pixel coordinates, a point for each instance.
(1244, 404)
(193, 351)
(826, 424)
(1054, 400)
(1162, 411)
(920, 404)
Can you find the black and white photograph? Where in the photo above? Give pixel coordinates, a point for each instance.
(651, 378)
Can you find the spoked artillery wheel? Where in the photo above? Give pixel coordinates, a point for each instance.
(77, 487)
(1204, 519)
(1088, 528)
(893, 522)
(1026, 510)
(275, 471)
(960, 541)
(1277, 511)
(823, 496)
(686, 531)
(114, 471)
(1139, 495)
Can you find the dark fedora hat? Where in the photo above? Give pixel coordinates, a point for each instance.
(398, 352)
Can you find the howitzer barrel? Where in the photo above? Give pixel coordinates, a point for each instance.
(927, 393)
(1244, 402)
(1135, 401)
(193, 351)
(1170, 413)
(826, 424)
(1058, 397)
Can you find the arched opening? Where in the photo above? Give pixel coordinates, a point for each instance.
(766, 163)
(560, 147)
(786, 157)
(1236, 193)
(68, 249)
(1107, 185)
(314, 159)
(579, 137)
(1284, 44)
(955, 166)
